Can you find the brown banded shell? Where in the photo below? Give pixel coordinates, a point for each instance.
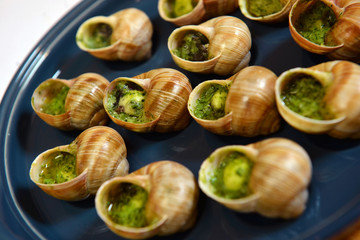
(250, 107)
(171, 205)
(341, 82)
(229, 46)
(167, 92)
(128, 31)
(269, 17)
(100, 154)
(278, 181)
(202, 10)
(83, 103)
(342, 42)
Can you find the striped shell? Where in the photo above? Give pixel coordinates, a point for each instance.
(131, 37)
(250, 107)
(100, 155)
(341, 80)
(344, 34)
(172, 202)
(229, 46)
(167, 93)
(278, 181)
(83, 104)
(203, 10)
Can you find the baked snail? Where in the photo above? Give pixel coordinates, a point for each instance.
(186, 12)
(269, 177)
(321, 99)
(220, 45)
(270, 11)
(158, 199)
(243, 104)
(331, 28)
(152, 101)
(125, 35)
(75, 171)
(71, 104)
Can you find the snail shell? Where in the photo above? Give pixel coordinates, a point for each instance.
(171, 205)
(83, 103)
(250, 107)
(167, 92)
(278, 181)
(342, 41)
(203, 10)
(270, 17)
(129, 32)
(342, 96)
(100, 154)
(229, 46)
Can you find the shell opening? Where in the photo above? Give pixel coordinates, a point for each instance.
(313, 20)
(58, 167)
(178, 8)
(50, 96)
(210, 104)
(304, 94)
(191, 45)
(227, 175)
(96, 35)
(125, 101)
(262, 8)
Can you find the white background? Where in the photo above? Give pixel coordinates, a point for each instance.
(22, 24)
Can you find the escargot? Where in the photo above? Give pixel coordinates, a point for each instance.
(158, 199)
(186, 12)
(327, 27)
(269, 177)
(71, 104)
(220, 45)
(75, 171)
(243, 104)
(321, 99)
(270, 11)
(152, 101)
(125, 35)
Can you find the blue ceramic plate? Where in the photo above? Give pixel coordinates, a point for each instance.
(28, 213)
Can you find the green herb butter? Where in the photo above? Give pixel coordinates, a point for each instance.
(211, 103)
(99, 37)
(261, 8)
(126, 102)
(54, 104)
(194, 47)
(126, 205)
(304, 95)
(59, 168)
(315, 22)
(231, 178)
(178, 8)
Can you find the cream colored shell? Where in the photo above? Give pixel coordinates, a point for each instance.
(131, 39)
(100, 155)
(172, 200)
(83, 104)
(229, 46)
(167, 93)
(345, 33)
(279, 178)
(250, 107)
(341, 80)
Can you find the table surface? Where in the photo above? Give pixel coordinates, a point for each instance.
(24, 23)
(42, 15)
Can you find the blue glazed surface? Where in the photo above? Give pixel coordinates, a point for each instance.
(28, 213)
